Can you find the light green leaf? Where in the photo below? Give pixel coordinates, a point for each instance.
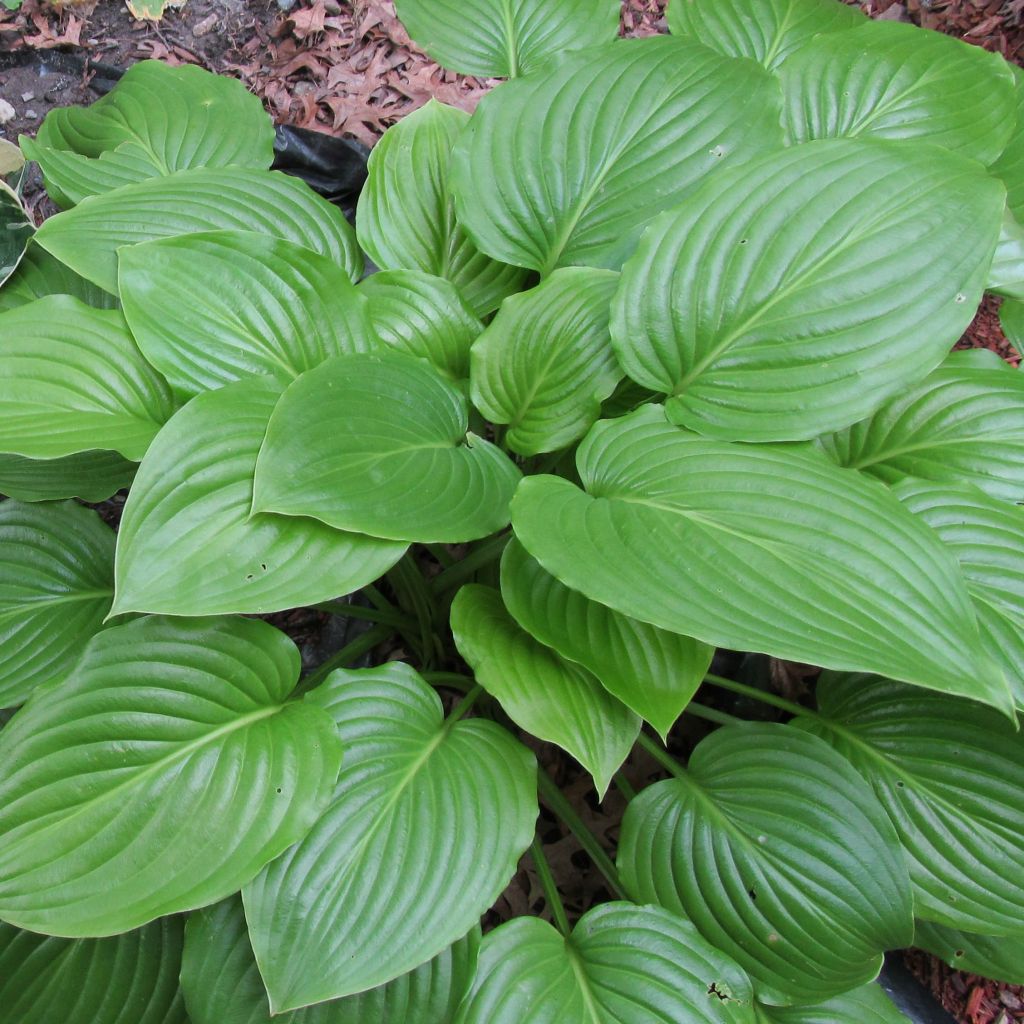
(160, 776)
(767, 31)
(405, 216)
(865, 1005)
(207, 199)
(567, 166)
(700, 537)
(222, 984)
(428, 821)
(893, 81)
(1010, 165)
(650, 670)
(211, 308)
(92, 476)
(784, 299)
(1006, 275)
(950, 775)
(72, 379)
(16, 229)
(631, 965)
(554, 699)
(545, 363)
(777, 851)
(1011, 319)
(12, 163)
(127, 979)
(1000, 957)
(378, 444)
(39, 274)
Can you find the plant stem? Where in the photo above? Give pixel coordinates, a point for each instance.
(450, 679)
(623, 786)
(349, 653)
(662, 756)
(766, 698)
(440, 555)
(414, 595)
(395, 618)
(547, 881)
(460, 572)
(463, 706)
(711, 714)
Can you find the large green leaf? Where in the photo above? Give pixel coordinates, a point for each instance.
(379, 444)
(963, 424)
(950, 775)
(999, 957)
(208, 199)
(764, 30)
(650, 670)
(865, 1005)
(630, 965)
(56, 586)
(72, 379)
(552, 698)
(567, 166)
(16, 229)
(1010, 165)
(222, 984)
(545, 363)
(188, 544)
(785, 299)
(700, 537)
(506, 38)
(893, 81)
(779, 853)
(92, 476)
(39, 274)
(428, 821)
(1006, 275)
(161, 775)
(1011, 319)
(210, 308)
(405, 217)
(127, 979)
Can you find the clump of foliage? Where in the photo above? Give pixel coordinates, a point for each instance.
(657, 362)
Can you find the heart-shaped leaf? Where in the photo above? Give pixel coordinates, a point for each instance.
(567, 166)
(721, 307)
(428, 821)
(865, 1005)
(92, 476)
(378, 444)
(1009, 167)
(16, 229)
(161, 775)
(1000, 958)
(39, 274)
(779, 853)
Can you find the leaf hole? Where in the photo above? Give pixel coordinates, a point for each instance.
(958, 953)
(718, 152)
(960, 298)
(752, 894)
(900, 784)
(279, 789)
(718, 993)
(263, 566)
(743, 241)
(249, 576)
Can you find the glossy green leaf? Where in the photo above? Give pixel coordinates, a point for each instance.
(650, 670)
(16, 229)
(950, 775)
(552, 698)
(188, 544)
(161, 775)
(211, 308)
(222, 984)
(1010, 165)
(784, 299)
(208, 199)
(92, 476)
(1011, 319)
(963, 424)
(1006, 274)
(778, 852)
(865, 1005)
(545, 363)
(1000, 957)
(56, 586)
(700, 537)
(428, 821)
(405, 217)
(39, 274)
(630, 965)
(506, 38)
(127, 979)
(567, 166)
(893, 81)
(378, 444)
(72, 379)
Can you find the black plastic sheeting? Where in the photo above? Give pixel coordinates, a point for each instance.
(909, 995)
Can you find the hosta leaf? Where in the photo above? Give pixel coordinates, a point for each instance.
(16, 229)
(892, 81)
(1010, 165)
(72, 379)
(865, 1005)
(428, 820)
(545, 363)
(567, 166)
(208, 199)
(56, 586)
(650, 670)
(1011, 319)
(222, 984)
(783, 299)
(379, 444)
(700, 537)
(505, 38)
(92, 476)
(765, 30)
(552, 698)
(188, 544)
(1000, 957)
(631, 965)
(950, 775)
(405, 216)
(39, 274)
(777, 851)
(211, 308)
(127, 979)
(424, 316)
(963, 424)
(1006, 275)
(161, 775)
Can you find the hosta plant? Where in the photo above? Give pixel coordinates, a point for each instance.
(648, 357)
